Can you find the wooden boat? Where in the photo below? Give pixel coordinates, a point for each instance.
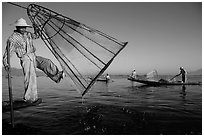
(163, 82)
(18, 104)
(102, 80)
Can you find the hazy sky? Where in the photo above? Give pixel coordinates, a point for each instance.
(162, 36)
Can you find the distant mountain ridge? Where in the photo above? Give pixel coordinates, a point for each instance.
(19, 72)
(196, 72)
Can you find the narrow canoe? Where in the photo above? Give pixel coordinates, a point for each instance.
(158, 83)
(18, 104)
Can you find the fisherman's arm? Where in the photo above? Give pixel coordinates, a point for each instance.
(11, 48)
(36, 33)
(178, 74)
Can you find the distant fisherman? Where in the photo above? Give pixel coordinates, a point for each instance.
(107, 77)
(21, 42)
(133, 75)
(182, 73)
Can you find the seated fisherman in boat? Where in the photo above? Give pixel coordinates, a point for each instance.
(107, 77)
(21, 42)
(133, 75)
(183, 75)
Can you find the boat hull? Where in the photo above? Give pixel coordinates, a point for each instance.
(157, 83)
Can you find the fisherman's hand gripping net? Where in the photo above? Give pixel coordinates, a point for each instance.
(82, 51)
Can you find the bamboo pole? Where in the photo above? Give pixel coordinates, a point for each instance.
(10, 87)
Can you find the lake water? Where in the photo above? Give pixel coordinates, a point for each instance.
(117, 108)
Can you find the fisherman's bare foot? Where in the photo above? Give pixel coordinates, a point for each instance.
(61, 76)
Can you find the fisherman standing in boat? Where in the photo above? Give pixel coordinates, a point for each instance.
(182, 73)
(21, 42)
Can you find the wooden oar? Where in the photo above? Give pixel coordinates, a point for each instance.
(173, 77)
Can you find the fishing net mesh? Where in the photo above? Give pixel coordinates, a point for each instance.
(82, 51)
(152, 76)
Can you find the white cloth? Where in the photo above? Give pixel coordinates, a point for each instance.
(28, 64)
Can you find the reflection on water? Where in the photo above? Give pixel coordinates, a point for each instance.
(183, 91)
(119, 107)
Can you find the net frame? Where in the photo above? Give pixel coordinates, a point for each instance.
(34, 11)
